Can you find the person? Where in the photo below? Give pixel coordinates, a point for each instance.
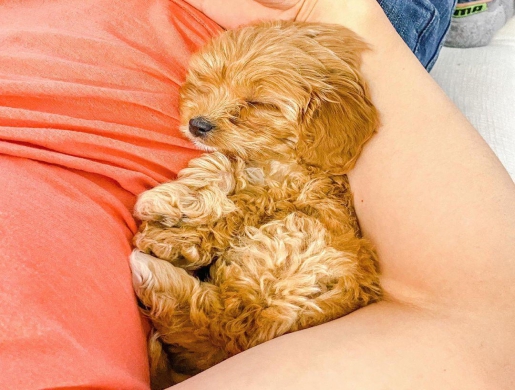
(423, 25)
(87, 123)
(440, 209)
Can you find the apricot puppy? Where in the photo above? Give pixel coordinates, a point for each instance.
(258, 238)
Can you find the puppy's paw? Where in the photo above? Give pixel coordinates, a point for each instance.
(177, 204)
(140, 267)
(158, 283)
(162, 204)
(185, 247)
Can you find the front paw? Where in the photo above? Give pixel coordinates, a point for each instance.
(176, 204)
(184, 247)
(164, 204)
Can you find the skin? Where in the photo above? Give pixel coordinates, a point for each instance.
(439, 207)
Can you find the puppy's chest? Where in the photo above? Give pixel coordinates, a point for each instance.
(275, 189)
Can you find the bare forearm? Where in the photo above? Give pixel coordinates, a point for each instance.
(429, 191)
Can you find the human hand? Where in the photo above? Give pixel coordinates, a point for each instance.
(234, 13)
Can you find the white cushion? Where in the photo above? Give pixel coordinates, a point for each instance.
(481, 82)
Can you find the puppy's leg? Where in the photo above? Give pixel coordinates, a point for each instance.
(181, 309)
(180, 218)
(185, 246)
(284, 277)
(198, 196)
(348, 280)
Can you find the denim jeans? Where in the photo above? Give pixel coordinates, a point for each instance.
(422, 24)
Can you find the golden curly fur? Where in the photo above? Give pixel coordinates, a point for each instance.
(259, 237)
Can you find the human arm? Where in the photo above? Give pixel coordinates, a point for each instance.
(441, 210)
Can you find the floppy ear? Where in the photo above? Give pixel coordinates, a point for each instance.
(340, 117)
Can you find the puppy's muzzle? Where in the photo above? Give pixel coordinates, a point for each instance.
(200, 126)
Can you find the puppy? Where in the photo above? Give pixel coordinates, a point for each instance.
(258, 238)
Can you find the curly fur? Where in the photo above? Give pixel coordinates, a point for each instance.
(259, 238)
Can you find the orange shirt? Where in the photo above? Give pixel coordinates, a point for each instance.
(88, 119)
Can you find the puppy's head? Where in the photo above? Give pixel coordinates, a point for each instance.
(281, 90)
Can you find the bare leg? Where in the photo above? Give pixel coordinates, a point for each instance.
(441, 210)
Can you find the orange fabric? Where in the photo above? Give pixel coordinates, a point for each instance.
(88, 119)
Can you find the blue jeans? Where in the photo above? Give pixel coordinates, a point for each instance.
(422, 24)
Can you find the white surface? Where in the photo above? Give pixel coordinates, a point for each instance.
(481, 82)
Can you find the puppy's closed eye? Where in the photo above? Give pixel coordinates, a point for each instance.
(252, 110)
(262, 105)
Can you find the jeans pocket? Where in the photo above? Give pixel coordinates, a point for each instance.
(427, 25)
(431, 39)
(421, 23)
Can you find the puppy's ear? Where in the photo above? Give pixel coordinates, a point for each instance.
(339, 118)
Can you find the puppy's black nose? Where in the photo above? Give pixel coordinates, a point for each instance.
(200, 126)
